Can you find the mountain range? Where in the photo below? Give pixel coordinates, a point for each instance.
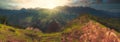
(46, 19)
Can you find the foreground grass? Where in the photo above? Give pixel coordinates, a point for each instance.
(11, 34)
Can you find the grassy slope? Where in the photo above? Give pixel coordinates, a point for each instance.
(8, 33)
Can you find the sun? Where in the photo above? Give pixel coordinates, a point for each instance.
(51, 5)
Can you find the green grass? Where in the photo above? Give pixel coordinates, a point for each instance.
(27, 35)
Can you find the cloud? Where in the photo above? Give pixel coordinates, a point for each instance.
(39, 3)
(7, 4)
(113, 1)
(107, 1)
(18, 4)
(81, 3)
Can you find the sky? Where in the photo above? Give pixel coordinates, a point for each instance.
(108, 5)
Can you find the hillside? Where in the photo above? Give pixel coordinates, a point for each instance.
(81, 29)
(90, 32)
(44, 18)
(10, 34)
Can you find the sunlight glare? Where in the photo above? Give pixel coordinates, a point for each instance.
(49, 4)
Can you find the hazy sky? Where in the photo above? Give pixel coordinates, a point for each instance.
(110, 5)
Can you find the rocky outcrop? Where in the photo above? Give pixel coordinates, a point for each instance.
(91, 32)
